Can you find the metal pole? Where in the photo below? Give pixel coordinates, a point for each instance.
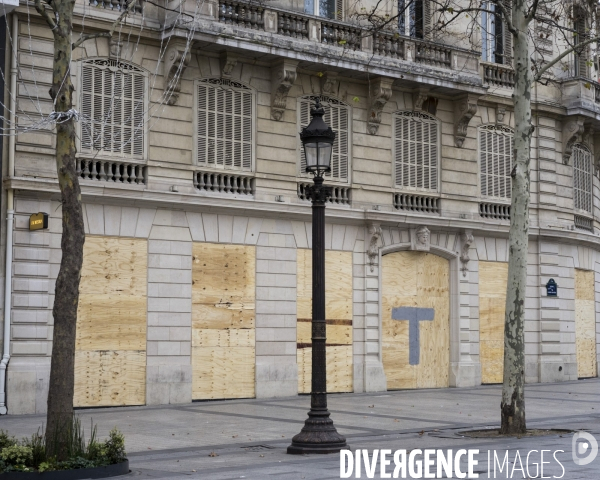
(318, 434)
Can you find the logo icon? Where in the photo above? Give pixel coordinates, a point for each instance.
(584, 448)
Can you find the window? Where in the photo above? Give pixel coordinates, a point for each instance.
(224, 124)
(580, 35)
(113, 104)
(496, 41)
(416, 150)
(496, 145)
(337, 116)
(414, 18)
(582, 178)
(333, 9)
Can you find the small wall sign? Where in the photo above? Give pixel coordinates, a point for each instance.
(38, 221)
(551, 288)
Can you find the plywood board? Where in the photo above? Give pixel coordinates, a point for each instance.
(110, 378)
(223, 321)
(338, 312)
(415, 280)
(585, 324)
(110, 358)
(222, 372)
(338, 369)
(493, 277)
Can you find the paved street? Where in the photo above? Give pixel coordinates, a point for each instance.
(249, 437)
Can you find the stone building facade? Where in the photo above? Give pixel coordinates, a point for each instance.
(195, 271)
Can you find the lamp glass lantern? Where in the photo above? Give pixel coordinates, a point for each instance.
(317, 139)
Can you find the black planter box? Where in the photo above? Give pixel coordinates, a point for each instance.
(78, 474)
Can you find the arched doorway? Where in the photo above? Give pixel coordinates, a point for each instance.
(416, 320)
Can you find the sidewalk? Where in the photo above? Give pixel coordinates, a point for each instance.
(249, 437)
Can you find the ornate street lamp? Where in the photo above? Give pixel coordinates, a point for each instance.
(318, 434)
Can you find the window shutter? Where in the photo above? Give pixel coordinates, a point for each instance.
(582, 178)
(507, 49)
(337, 117)
(581, 57)
(426, 19)
(416, 150)
(417, 20)
(496, 146)
(225, 128)
(339, 9)
(113, 108)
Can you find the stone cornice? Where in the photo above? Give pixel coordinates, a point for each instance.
(127, 196)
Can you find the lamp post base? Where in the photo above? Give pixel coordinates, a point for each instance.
(317, 436)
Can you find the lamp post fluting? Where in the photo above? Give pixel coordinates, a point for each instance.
(318, 434)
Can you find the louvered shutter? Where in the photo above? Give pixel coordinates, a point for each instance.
(416, 151)
(339, 9)
(416, 16)
(224, 122)
(337, 117)
(507, 48)
(113, 99)
(427, 21)
(582, 178)
(495, 158)
(581, 57)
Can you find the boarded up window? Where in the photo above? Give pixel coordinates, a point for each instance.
(338, 313)
(582, 178)
(416, 150)
(496, 145)
(492, 304)
(224, 125)
(223, 321)
(415, 309)
(110, 348)
(113, 103)
(337, 116)
(585, 324)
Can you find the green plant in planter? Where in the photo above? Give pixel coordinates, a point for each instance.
(31, 454)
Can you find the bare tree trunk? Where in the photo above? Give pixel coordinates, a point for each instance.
(62, 370)
(513, 393)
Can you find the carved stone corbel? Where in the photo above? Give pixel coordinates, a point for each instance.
(283, 76)
(464, 109)
(379, 94)
(572, 133)
(228, 62)
(177, 59)
(467, 240)
(373, 250)
(419, 98)
(419, 238)
(330, 84)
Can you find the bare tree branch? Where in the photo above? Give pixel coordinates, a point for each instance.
(108, 34)
(41, 9)
(539, 74)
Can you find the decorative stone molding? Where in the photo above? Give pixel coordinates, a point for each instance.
(464, 109)
(420, 238)
(228, 63)
(177, 59)
(467, 240)
(572, 133)
(283, 76)
(500, 113)
(114, 47)
(379, 94)
(373, 250)
(330, 84)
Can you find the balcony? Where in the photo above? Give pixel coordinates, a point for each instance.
(370, 47)
(581, 95)
(497, 75)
